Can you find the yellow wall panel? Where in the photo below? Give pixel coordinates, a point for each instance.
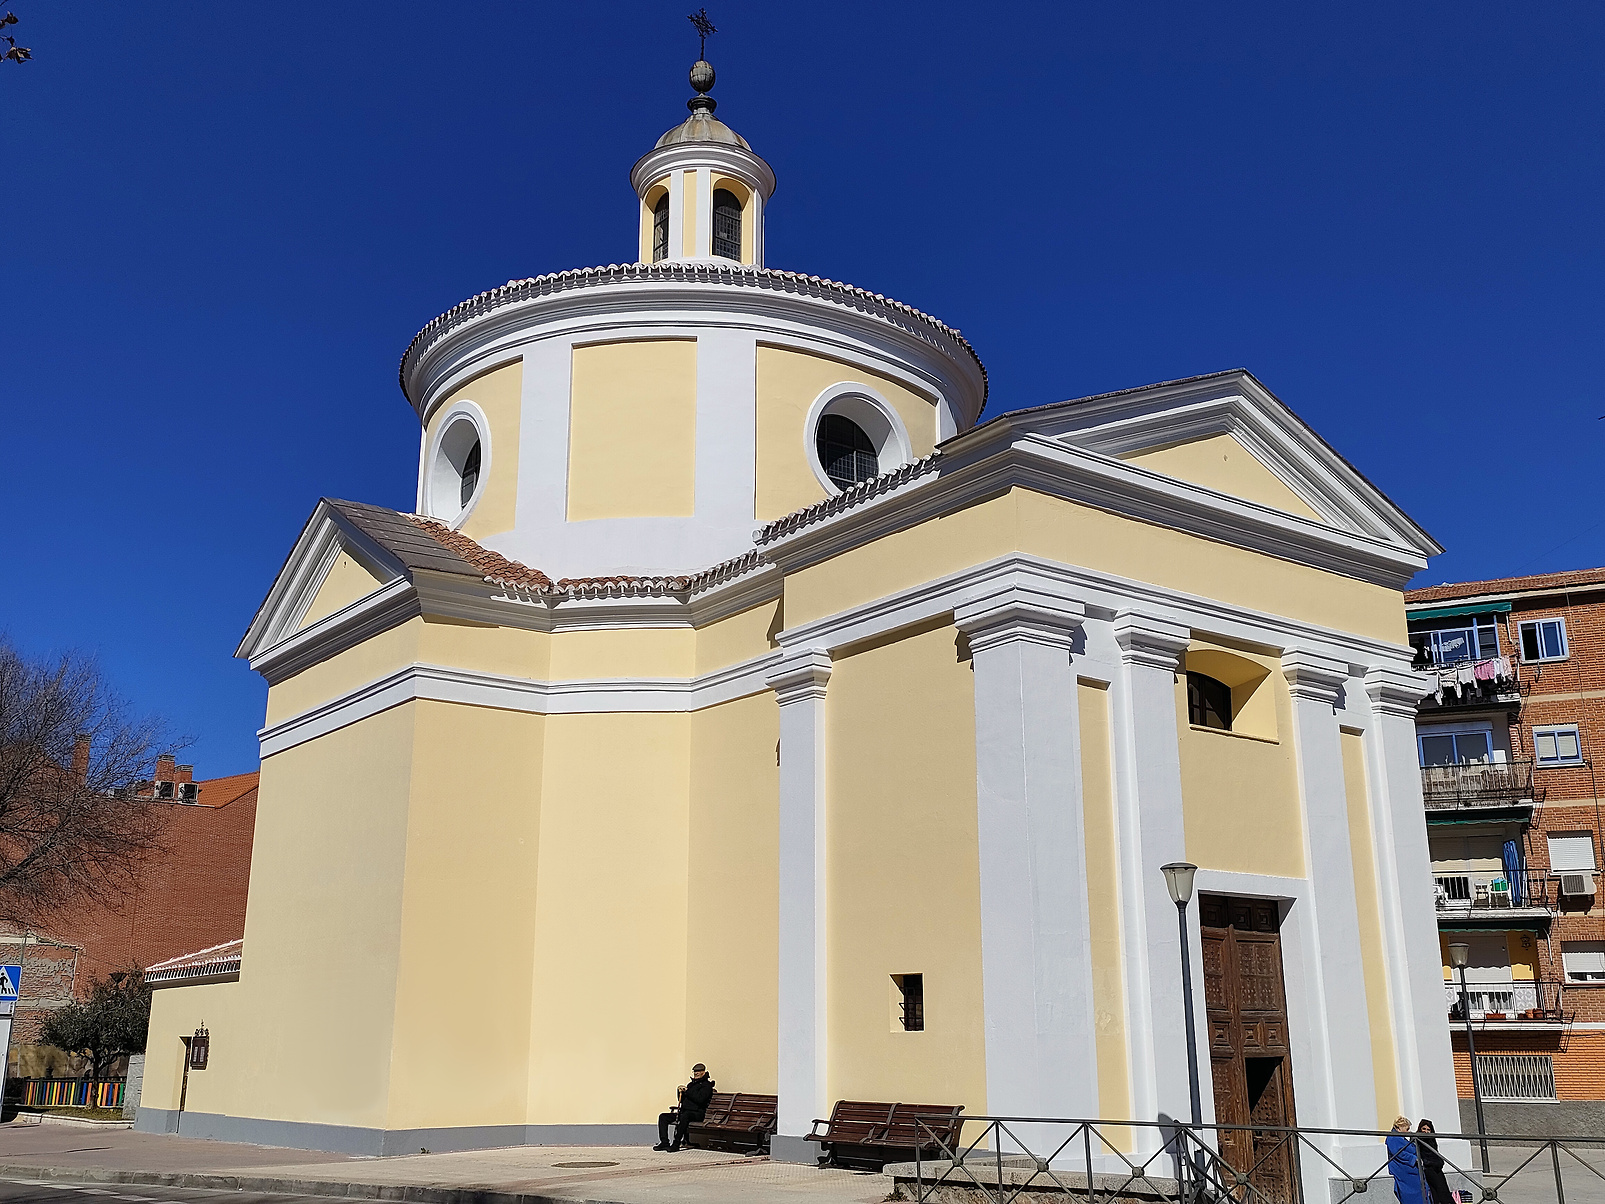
(466, 968)
(624, 652)
(368, 661)
(1373, 954)
(738, 638)
(1103, 904)
(1223, 464)
(903, 872)
(732, 989)
(317, 999)
(788, 383)
(1240, 793)
(632, 430)
(608, 1031)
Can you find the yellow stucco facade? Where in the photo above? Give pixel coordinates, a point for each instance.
(870, 804)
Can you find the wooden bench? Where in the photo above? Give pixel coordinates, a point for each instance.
(738, 1122)
(871, 1135)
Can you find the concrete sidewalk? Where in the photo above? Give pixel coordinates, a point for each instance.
(520, 1175)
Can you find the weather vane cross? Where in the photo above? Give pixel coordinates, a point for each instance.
(704, 28)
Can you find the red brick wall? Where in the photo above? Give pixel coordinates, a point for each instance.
(188, 898)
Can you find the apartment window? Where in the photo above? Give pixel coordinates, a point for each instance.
(1557, 745)
(1543, 640)
(1516, 1076)
(1584, 960)
(1570, 852)
(1462, 640)
(1209, 702)
(1456, 748)
(911, 1006)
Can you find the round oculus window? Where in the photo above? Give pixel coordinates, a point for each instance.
(846, 452)
(456, 473)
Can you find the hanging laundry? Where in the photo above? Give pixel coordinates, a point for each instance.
(1502, 669)
(1484, 670)
(1466, 676)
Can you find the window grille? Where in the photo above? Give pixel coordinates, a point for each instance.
(726, 225)
(845, 451)
(470, 475)
(1516, 1076)
(1209, 702)
(660, 229)
(913, 988)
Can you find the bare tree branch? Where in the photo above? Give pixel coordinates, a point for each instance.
(76, 814)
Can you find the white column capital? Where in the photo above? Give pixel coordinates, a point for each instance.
(1395, 690)
(1313, 677)
(801, 675)
(1013, 610)
(1150, 642)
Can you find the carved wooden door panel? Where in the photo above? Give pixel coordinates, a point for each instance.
(1245, 1003)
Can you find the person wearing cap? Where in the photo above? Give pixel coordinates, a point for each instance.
(694, 1099)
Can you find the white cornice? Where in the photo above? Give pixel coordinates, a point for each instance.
(443, 683)
(644, 295)
(971, 469)
(737, 161)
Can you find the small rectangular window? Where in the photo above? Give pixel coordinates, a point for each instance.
(1584, 960)
(1209, 702)
(1571, 851)
(911, 1011)
(1543, 640)
(1557, 745)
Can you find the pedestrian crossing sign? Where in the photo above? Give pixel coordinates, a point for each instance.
(10, 982)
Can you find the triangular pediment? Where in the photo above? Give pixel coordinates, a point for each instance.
(1228, 434)
(1222, 463)
(334, 568)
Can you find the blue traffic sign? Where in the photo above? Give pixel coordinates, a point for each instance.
(10, 982)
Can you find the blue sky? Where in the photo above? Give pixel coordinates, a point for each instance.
(223, 223)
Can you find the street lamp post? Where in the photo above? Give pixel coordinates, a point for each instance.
(1179, 880)
(1459, 955)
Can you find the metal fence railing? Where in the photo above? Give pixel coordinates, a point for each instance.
(1004, 1160)
(66, 1093)
(1523, 1001)
(1481, 784)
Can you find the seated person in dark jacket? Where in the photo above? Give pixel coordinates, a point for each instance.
(694, 1099)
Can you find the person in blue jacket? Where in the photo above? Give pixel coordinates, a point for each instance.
(1404, 1165)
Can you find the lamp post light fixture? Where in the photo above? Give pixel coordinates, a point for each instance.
(1179, 880)
(1459, 955)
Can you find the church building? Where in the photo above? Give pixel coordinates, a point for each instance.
(735, 695)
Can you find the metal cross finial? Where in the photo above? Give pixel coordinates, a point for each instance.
(704, 28)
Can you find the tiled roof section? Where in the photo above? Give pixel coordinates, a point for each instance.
(846, 499)
(1505, 585)
(771, 279)
(492, 566)
(206, 963)
(220, 792)
(408, 541)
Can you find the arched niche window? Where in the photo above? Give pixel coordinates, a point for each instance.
(1209, 702)
(458, 463)
(660, 229)
(846, 452)
(726, 224)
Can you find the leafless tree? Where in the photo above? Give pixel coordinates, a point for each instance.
(12, 53)
(76, 816)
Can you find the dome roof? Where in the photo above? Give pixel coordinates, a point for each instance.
(703, 126)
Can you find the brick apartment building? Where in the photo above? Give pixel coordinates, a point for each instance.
(1512, 746)
(188, 896)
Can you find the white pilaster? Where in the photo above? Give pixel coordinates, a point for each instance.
(1152, 832)
(704, 248)
(727, 427)
(1339, 1086)
(1036, 964)
(799, 682)
(677, 248)
(1409, 917)
(755, 209)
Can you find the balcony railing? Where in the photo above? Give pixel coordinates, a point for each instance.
(1532, 1002)
(1489, 784)
(1490, 892)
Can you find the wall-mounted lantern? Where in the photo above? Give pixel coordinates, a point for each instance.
(200, 1048)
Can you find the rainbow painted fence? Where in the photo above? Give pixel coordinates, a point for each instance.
(71, 1093)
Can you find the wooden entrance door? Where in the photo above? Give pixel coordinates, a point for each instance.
(1246, 1006)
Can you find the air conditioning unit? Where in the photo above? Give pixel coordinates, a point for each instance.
(1577, 884)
